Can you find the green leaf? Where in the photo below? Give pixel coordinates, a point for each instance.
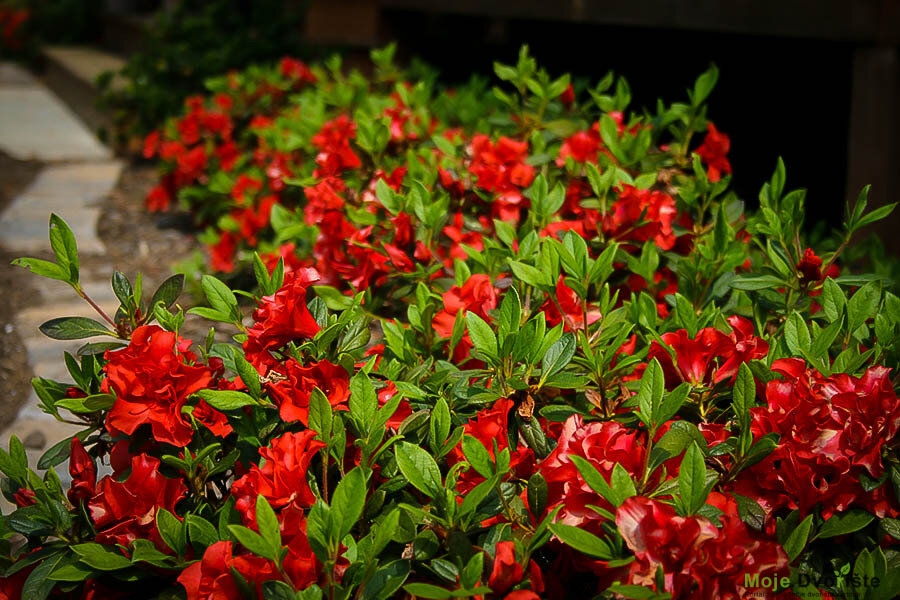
(428, 591)
(744, 394)
(386, 580)
(201, 531)
(172, 531)
(796, 541)
(876, 215)
(252, 541)
(274, 589)
(583, 541)
(848, 522)
(44, 268)
(220, 297)
(833, 300)
(363, 401)
(348, 501)
(62, 240)
(751, 283)
(650, 393)
(122, 288)
(38, 585)
(419, 468)
(558, 355)
(530, 275)
(269, 529)
(796, 334)
(595, 480)
(168, 291)
(704, 85)
(439, 425)
(102, 558)
(751, 512)
(333, 298)
(74, 328)
(692, 479)
(482, 335)
(477, 455)
(321, 416)
(863, 305)
(226, 399)
(537, 494)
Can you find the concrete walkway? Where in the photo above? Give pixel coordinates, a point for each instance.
(80, 171)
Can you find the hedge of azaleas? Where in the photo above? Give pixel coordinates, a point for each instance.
(520, 344)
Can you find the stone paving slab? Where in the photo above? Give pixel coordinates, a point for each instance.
(13, 74)
(73, 191)
(35, 125)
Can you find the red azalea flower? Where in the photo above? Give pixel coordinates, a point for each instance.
(151, 144)
(333, 142)
(501, 168)
(574, 310)
(810, 267)
(213, 577)
(477, 294)
(604, 444)
(124, 511)
(83, 472)
(641, 215)
(832, 431)
(283, 317)
(292, 393)
(282, 477)
(506, 570)
(152, 381)
(158, 199)
(582, 147)
(698, 559)
(714, 152)
(296, 70)
(711, 356)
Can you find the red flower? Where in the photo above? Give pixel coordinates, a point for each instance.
(810, 267)
(152, 381)
(698, 559)
(292, 393)
(296, 70)
(714, 152)
(283, 317)
(832, 431)
(83, 473)
(582, 147)
(568, 96)
(604, 444)
(501, 168)
(477, 294)
(573, 309)
(213, 577)
(641, 215)
(282, 477)
(333, 142)
(124, 511)
(158, 199)
(711, 356)
(506, 571)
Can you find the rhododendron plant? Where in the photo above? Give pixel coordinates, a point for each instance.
(516, 345)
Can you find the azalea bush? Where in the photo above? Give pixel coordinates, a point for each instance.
(188, 43)
(513, 344)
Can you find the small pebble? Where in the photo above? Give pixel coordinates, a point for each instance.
(8, 328)
(35, 440)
